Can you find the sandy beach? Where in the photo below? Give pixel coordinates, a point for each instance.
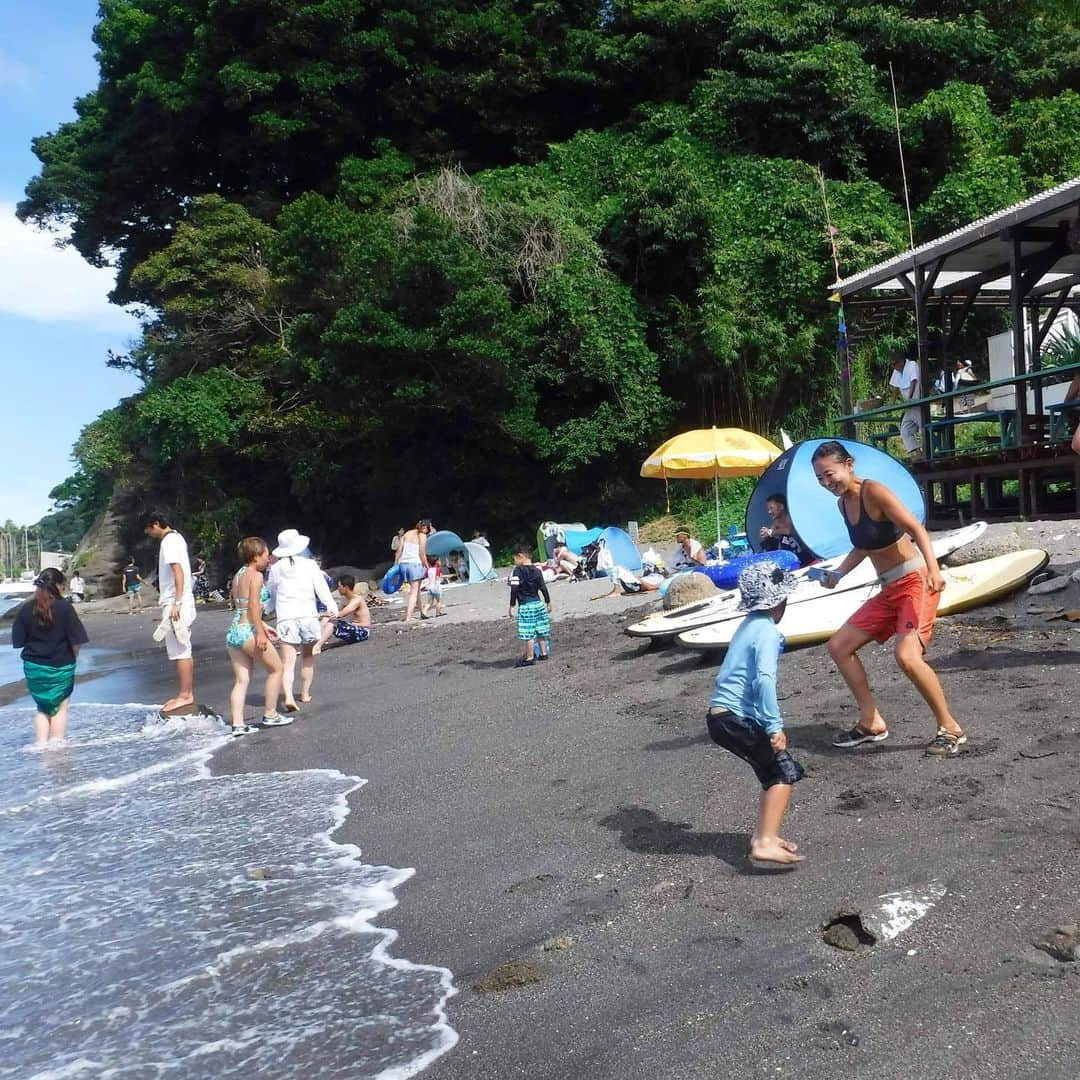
(579, 844)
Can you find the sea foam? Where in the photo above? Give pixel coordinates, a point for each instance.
(163, 922)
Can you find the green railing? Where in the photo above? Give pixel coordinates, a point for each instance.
(1050, 373)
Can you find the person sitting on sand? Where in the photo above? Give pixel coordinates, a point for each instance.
(353, 622)
(566, 561)
(690, 551)
(744, 715)
(50, 634)
(131, 582)
(906, 606)
(533, 616)
(780, 535)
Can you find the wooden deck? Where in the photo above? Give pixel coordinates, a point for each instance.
(1017, 484)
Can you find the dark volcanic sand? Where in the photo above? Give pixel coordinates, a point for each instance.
(583, 799)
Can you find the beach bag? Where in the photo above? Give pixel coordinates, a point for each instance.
(392, 580)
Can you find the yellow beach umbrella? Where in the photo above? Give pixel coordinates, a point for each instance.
(709, 454)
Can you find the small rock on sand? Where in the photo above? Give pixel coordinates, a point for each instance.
(509, 976)
(558, 944)
(1051, 585)
(1062, 943)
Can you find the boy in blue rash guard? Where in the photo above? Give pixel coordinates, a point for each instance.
(744, 716)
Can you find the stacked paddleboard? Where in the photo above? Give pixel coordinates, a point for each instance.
(814, 621)
(718, 609)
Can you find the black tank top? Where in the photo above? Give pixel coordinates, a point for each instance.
(867, 534)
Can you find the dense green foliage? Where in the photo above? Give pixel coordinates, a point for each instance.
(474, 259)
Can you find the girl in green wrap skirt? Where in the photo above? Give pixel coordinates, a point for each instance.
(49, 632)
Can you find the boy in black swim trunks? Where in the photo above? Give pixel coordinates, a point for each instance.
(744, 716)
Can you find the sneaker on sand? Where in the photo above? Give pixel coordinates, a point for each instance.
(243, 729)
(277, 720)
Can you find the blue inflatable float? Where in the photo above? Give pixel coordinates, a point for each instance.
(392, 580)
(813, 510)
(725, 575)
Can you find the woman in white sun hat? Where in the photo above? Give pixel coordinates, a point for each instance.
(295, 584)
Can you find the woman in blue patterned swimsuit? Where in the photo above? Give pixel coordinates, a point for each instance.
(250, 639)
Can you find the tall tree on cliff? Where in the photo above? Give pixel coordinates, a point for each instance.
(478, 255)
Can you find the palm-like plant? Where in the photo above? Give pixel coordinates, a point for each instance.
(1062, 349)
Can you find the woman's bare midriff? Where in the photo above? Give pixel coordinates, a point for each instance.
(901, 552)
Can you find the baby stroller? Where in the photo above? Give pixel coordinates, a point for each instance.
(586, 567)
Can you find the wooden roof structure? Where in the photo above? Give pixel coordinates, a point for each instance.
(1025, 258)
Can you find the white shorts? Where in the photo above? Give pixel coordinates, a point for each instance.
(911, 429)
(304, 631)
(173, 648)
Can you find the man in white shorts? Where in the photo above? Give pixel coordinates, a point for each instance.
(177, 604)
(905, 385)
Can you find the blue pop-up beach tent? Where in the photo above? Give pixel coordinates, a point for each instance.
(623, 550)
(444, 541)
(814, 511)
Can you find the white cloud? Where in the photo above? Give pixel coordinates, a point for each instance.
(14, 73)
(44, 283)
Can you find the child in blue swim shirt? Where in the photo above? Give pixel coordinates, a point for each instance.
(744, 716)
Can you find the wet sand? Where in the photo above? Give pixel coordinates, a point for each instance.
(582, 801)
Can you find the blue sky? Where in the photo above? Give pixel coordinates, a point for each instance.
(55, 323)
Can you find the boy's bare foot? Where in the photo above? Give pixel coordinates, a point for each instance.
(774, 852)
(787, 845)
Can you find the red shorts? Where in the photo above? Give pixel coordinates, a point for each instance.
(904, 605)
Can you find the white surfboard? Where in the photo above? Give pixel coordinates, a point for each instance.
(817, 620)
(669, 624)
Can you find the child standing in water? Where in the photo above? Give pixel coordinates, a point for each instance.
(534, 615)
(879, 524)
(744, 716)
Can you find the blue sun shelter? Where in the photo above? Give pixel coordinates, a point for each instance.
(623, 550)
(478, 557)
(814, 511)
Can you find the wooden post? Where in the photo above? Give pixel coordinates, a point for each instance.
(1036, 358)
(1019, 345)
(922, 334)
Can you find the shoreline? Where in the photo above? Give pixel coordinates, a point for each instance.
(581, 805)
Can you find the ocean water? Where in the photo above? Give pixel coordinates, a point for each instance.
(160, 922)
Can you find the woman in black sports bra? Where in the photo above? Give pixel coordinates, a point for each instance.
(906, 605)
